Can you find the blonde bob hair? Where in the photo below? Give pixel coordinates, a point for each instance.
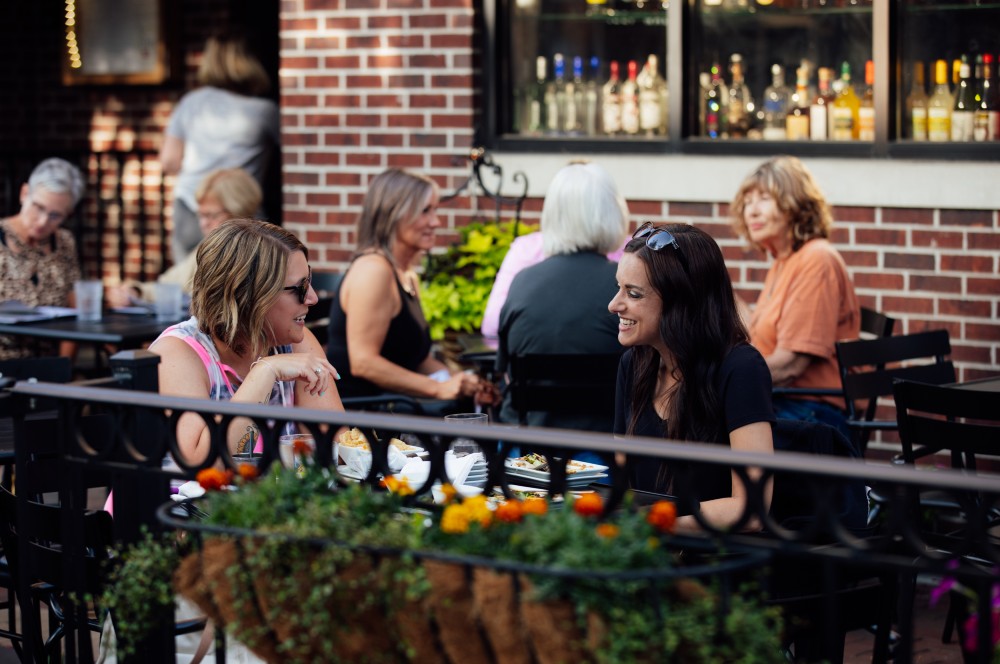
(236, 191)
(395, 196)
(583, 211)
(228, 64)
(241, 271)
(796, 194)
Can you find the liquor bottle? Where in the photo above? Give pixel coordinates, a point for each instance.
(845, 108)
(797, 120)
(956, 68)
(776, 98)
(981, 116)
(715, 105)
(704, 88)
(573, 121)
(537, 104)
(820, 112)
(652, 92)
(916, 104)
(557, 100)
(592, 99)
(939, 105)
(611, 103)
(992, 96)
(963, 113)
(740, 101)
(630, 101)
(866, 112)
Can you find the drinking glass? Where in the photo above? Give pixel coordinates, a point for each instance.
(89, 299)
(286, 448)
(168, 298)
(463, 446)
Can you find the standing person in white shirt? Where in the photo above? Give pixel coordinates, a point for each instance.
(225, 123)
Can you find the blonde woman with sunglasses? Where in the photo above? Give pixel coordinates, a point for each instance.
(247, 340)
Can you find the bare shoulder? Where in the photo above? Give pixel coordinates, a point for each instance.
(369, 267)
(370, 279)
(179, 365)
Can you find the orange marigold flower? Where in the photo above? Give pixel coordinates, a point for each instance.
(510, 511)
(247, 471)
(479, 510)
(449, 492)
(397, 485)
(455, 519)
(212, 479)
(662, 516)
(589, 504)
(536, 506)
(607, 530)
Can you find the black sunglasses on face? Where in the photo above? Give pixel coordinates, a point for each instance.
(657, 238)
(301, 289)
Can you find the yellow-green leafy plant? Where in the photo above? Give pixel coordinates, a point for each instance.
(457, 282)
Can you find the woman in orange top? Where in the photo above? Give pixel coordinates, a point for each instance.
(808, 301)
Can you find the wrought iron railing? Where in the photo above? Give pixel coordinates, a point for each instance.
(896, 546)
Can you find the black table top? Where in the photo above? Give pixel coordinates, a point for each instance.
(122, 330)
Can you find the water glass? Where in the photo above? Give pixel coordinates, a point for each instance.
(286, 448)
(89, 299)
(463, 446)
(167, 304)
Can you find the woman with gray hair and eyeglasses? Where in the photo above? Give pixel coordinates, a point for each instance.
(38, 257)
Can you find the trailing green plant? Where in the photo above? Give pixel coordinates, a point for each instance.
(457, 282)
(139, 590)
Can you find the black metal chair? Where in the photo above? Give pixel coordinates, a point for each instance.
(326, 285)
(563, 387)
(868, 368)
(961, 425)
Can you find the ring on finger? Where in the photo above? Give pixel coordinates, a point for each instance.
(318, 370)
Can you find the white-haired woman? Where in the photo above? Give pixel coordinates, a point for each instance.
(560, 305)
(37, 257)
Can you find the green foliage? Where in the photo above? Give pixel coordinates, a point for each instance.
(139, 588)
(457, 282)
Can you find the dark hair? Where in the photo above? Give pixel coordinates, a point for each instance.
(699, 324)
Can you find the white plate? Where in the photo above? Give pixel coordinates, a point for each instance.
(586, 470)
(574, 481)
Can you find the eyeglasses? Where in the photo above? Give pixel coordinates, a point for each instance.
(301, 289)
(657, 238)
(50, 216)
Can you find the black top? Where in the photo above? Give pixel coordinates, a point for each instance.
(407, 342)
(743, 385)
(560, 306)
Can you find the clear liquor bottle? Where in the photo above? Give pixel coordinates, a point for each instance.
(652, 95)
(630, 101)
(939, 105)
(592, 99)
(555, 96)
(797, 120)
(992, 97)
(740, 104)
(715, 105)
(575, 109)
(536, 121)
(981, 115)
(776, 99)
(820, 112)
(866, 112)
(845, 108)
(916, 104)
(963, 113)
(611, 103)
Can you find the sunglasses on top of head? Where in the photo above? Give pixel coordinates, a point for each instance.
(301, 289)
(657, 238)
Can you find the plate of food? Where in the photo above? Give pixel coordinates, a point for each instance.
(535, 468)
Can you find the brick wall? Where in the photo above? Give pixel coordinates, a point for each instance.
(369, 84)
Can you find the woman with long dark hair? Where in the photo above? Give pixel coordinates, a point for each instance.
(690, 373)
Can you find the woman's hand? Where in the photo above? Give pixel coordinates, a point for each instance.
(459, 385)
(488, 394)
(314, 370)
(119, 296)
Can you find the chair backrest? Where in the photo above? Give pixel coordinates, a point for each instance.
(564, 385)
(875, 324)
(868, 368)
(947, 418)
(794, 500)
(42, 369)
(327, 285)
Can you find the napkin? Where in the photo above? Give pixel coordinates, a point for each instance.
(360, 461)
(416, 470)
